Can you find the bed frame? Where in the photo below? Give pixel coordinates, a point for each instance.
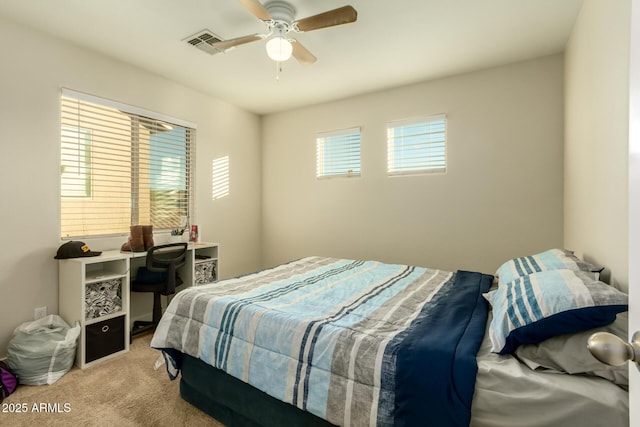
(235, 403)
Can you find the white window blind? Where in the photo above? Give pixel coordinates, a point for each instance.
(417, 145)
(122, 166)
(338, 153)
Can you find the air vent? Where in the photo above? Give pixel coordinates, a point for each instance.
(202, 40)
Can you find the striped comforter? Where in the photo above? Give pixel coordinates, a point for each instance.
(342, 339)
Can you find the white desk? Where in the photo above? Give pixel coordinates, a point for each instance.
(89, 285)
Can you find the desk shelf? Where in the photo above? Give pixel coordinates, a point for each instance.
(103, 277)
(105, 317)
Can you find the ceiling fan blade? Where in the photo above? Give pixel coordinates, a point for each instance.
(342, 15)
(227, 44)
(302, 55)
(257, 9)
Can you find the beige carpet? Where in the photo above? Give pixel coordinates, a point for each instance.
(124, 391)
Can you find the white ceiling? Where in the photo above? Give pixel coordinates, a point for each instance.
(392, 43)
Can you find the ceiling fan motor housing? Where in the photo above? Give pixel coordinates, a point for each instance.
(281, 11)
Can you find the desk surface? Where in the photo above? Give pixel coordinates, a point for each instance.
(117, 254)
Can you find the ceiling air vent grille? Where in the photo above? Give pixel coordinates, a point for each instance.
(202, 40)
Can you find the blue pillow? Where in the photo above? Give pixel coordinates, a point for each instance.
(533, 308)
(553, 259)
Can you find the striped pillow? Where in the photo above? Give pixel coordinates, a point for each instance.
(553, 259)
(542, 305)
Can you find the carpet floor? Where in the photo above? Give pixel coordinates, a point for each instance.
(123, 391)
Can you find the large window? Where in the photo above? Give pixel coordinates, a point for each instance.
(417, 145)
(122, 166)
(338, 153)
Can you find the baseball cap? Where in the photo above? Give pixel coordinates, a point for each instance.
(75, 249)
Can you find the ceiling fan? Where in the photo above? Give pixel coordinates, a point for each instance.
(278, 16)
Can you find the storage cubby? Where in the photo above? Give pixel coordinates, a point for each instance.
(101, 271)
(105, 338)
(102, 298)
(205, 271)
(204, 262)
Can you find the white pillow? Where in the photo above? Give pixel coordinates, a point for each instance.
(553, 259)
(539, 306)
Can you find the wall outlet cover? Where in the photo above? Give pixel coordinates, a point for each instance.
(39, 312)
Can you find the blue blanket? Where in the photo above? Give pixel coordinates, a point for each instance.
(358, 343)
(436, 366)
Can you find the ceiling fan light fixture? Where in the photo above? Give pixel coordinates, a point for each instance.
(279, 48)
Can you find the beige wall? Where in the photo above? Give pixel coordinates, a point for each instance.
(34, 68)
(596, 137)
(634, 201)
(501, 196)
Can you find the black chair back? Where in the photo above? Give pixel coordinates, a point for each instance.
(167, 259)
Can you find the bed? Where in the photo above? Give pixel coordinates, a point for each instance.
(323, 341)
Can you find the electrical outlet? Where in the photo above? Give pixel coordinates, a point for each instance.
(39, 312)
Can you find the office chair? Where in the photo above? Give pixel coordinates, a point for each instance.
(160, 276)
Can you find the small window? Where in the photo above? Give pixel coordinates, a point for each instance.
(417, 146)
(338, 153)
